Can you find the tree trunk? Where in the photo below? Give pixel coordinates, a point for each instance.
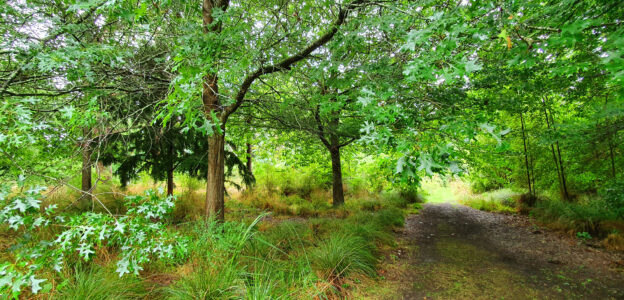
(526, 159)
(338, 193)
(249, 156)
(86, 170)
(215, 181)
(613, 173)
(566, 195)
(170, 182)
(552, 150)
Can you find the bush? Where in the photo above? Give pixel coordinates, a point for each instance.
(584, 216)
(613, 195)
(411, 196)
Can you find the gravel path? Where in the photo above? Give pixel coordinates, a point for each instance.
(456, 252)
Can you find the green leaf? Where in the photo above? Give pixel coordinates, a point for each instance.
(35, 284)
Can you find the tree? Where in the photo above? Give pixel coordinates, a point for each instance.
(275, 46)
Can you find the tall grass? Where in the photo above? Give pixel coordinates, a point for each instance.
(502, 201)
(584, 216)
(343, 254)
(96, 283)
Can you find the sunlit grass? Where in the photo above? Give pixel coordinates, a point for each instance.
(437, 190)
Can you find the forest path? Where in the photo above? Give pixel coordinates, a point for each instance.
(456, 252)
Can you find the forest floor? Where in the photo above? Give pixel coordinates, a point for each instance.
(450, 251)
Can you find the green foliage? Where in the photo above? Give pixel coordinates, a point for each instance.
(584, 216)
(140, 234)
(613, 196)
(583, 236)
(503, 201)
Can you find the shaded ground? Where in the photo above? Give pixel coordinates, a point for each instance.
(456, 252)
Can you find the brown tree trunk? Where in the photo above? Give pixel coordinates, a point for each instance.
(86, 198)
(249, 156)
(170, 182)
(215, 181)
(566, 195)
(338, 193)
(526, 159)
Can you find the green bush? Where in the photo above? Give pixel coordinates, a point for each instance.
(613, 195)
(583, 216)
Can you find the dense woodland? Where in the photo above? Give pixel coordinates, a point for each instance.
(267, 149)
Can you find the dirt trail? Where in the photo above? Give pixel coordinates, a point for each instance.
(456, 252)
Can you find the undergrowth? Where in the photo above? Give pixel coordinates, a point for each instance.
(300, 247)
(596, 216)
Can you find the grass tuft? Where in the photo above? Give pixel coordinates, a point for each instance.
(97, 283)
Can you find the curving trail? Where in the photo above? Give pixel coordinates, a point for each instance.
(456, 252)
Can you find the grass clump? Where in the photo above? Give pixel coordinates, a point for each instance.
(97, 283)
(210, 282)
(343, 254)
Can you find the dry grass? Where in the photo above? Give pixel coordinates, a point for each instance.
(614, 241)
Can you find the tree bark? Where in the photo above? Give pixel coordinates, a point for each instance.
(249, 157)
(170, 182)
(214, 205)
(526, 159)
(337, 191)
(215, 181)
(86, 197)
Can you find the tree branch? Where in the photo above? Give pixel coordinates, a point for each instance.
(287, 63)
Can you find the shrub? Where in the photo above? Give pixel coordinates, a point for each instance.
(411, 196)
(613, 195)
(583, 216)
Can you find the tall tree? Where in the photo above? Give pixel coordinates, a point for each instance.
(277, 48)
